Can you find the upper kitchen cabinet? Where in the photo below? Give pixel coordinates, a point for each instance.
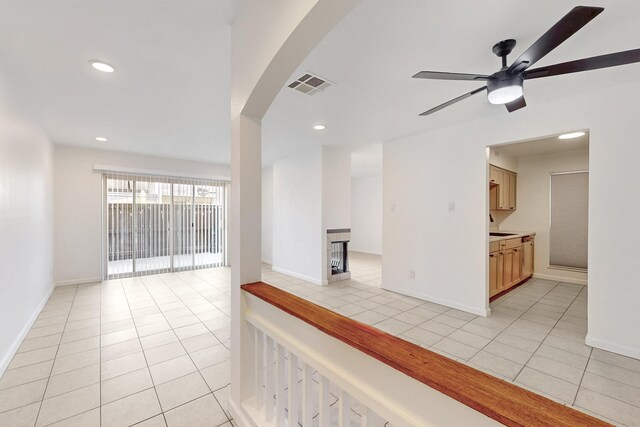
(502, 186)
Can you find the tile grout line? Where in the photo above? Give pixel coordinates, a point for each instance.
(582, 377)
(44, 393)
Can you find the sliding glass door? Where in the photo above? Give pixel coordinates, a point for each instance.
(158, 225)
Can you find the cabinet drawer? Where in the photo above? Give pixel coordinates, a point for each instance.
(512, 243)
(494, 246)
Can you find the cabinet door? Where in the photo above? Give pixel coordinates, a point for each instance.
(503, 189)
(516, 271)
(493, 273)
(511, 204)
(493, 174)
(507, 273)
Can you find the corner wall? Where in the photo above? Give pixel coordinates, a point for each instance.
(366, 214)
(78, 204)
(26, 227)
(424, 172)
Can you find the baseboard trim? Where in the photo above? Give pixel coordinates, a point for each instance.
(79, 281)
(296, 275)
(473, 310)
(6, 359)
(560, 279)
(267, 261)
(614, 348)
(239, 415)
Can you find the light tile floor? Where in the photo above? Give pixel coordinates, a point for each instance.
(149, 351)
(154, 351)
(534, 336)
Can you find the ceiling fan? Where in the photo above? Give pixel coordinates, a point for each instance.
(505, 86)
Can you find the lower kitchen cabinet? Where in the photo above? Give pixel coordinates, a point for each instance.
(511, 264)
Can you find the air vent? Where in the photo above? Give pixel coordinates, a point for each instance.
(310, 84)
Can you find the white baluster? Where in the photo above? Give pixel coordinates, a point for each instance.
(281, 386)
(325, 413)
(259, 367)
(344, 412)
(368, 418)
(270, 380)
(294, 390)
(307, 396)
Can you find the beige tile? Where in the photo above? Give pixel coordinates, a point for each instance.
(42, 342)
(44, 331)
(76, 361)
(437, 328)
(33, 356)
(24, 416)
(158, 339)
(457, 349)
(606, 406)
(393, 326)
(157, 421)
(507, 352)
(422, 336)
(517, 342)
(171, 369)
(69, 404)
(454, 322)
(21, 395)
(125, 348)
(222, 396)
(26, 374)
(131, 409)
(217, 376)
(153, 328)
(616, 360)
(611, 388)
(181, 390)
(118, 337)
(556, 369)
(79, 346)
(548, 384)
(86, 419)
(125, 385)
(80, 334)
(164, 352)
(470, 339)
(578, 348)
(613, 372)
(210, 356)
(122, 365)
(72, 380)
(203, 412)
(200, 342)
(191, 331)
(503, 367)
(563, 356)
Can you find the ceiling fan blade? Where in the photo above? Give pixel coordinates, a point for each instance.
(573, 21)
(586, 64)
(438, 75)
(453, 101)
(516, 105)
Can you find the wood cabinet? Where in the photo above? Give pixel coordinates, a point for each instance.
(511, 264)
(502, 185)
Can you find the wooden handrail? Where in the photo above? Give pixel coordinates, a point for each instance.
(493, 397)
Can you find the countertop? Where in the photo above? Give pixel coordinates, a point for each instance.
(515, 235)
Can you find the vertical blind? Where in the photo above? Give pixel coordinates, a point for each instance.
(569, 215)
(161, 224)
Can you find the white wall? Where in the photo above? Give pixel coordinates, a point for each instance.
(26, 229)
(366, 214)
(336, 187)
(297, 215)
(533, 192)
(424, 172)
(267, 215)
(78, 204)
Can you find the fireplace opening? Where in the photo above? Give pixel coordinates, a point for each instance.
(338, 254)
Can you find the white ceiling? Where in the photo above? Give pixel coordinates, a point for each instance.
(372, 54)
(169, 95)
(542, 146)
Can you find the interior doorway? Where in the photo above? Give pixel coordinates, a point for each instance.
(156, 225)
(538, 195)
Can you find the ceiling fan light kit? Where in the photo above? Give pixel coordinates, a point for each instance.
(506, 85)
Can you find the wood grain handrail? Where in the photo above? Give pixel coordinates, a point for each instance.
(493, 397)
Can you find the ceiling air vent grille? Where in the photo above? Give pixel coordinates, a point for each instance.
(310, 84)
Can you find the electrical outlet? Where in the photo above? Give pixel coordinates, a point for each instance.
(412, 274)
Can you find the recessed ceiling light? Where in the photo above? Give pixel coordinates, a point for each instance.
(571, 135)
(102, 66)
(101, 139)
(319, 127)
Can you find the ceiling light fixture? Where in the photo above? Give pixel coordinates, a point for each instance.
(319, 127)
(504, 89)
(571, 135)
(102, 66)
(101, 139)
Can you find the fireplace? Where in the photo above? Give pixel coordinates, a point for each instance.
(338, 254)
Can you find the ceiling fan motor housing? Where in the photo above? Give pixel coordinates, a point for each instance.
(503, 87)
